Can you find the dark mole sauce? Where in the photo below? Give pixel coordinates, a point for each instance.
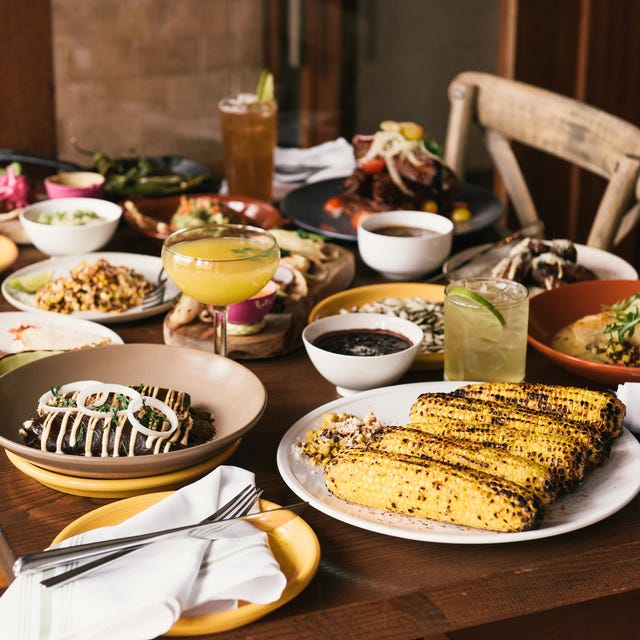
(362, 342)
(403, 231)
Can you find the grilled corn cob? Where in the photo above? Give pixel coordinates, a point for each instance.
(537, 478)
(439, 406)
(565, 458)
(598, 408)
(430, 489)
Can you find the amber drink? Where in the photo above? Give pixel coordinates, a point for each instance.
(248, 140)
(485, 330)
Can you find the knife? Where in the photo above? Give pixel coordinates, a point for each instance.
(220, 529)
(530, 230)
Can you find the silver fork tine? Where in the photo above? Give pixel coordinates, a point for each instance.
(239, 505)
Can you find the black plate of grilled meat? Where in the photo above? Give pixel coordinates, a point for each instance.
(310, 208)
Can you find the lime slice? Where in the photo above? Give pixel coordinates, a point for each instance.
(265, 90)
(31, 282)
(481, 300)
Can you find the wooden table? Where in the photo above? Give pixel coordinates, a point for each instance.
(370, 586)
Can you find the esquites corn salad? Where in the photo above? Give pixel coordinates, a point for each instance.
(100, 286)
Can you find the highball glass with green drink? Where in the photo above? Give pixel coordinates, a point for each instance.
(485, 330)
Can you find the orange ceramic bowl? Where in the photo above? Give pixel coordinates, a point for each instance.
(552, 310)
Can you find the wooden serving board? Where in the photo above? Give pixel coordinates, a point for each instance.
(282, 331)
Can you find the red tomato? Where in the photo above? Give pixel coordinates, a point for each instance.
(333, 206)
(373, 165)
(358, 217)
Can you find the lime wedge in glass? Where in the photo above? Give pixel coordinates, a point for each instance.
(265, 90)
(31, 282)
(481, 300)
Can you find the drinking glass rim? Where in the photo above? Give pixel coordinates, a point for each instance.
(522, 290)
(243, 227)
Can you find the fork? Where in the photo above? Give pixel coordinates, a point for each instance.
(240, 504)
(156, 295)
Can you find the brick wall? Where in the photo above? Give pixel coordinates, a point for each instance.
(144, 76)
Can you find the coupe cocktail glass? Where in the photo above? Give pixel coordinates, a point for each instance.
(219, 265)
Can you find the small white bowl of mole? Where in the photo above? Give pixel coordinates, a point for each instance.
(360, 351)
(405, 245)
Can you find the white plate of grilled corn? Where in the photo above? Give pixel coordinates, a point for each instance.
(490, 484)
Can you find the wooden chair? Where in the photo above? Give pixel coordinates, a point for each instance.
(587, 137)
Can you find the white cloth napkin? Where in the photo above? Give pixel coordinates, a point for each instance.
(629, 394)
(142, 594)
(332, 159)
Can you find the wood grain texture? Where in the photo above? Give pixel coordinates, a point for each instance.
(569, 130)
(370, 586)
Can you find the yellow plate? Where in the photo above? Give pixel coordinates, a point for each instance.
(362, 295)
(294, 545)
(120, 487)
(8, 252)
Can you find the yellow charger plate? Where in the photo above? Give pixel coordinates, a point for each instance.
(8, 252)
(294, 545)
(371, 293)
(118, 487)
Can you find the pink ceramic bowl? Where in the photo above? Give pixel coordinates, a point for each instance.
(255, 308)
(74, 184)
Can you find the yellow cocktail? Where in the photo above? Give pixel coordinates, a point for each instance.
(219, 265)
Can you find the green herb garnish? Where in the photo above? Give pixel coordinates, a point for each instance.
(625, 315)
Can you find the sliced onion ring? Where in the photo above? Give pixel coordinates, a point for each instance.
(45, 398)
(162, 407)
(103, 390)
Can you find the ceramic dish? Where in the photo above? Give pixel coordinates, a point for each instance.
(148, 266)
(607, 266)
(14, 360)
(120, 487)
(553, 310)
(294, 545)
(222, 387)
(63, 332)
(606, 490)
(305, 207)
(8, 252)
(151, 211)
(362, 295)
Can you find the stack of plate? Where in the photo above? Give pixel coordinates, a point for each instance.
(228, 391)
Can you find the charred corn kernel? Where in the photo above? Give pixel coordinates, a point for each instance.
(532, 475)
(565, 458)
(600, 409)
(440, 406)
(430, 489)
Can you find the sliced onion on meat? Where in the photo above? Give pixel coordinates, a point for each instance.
(137, 404)
(71, 387)
(103, 390)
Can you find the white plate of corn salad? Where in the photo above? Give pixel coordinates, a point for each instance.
(106, 287)
(606, 488)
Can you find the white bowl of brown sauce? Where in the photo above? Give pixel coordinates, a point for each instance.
(360, 351)
(405, 245)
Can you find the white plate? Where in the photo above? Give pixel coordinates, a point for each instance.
(606, 490)
(11, 320)
(607, 266)
(148, 266)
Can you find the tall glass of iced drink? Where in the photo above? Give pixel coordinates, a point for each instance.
(248, 139)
